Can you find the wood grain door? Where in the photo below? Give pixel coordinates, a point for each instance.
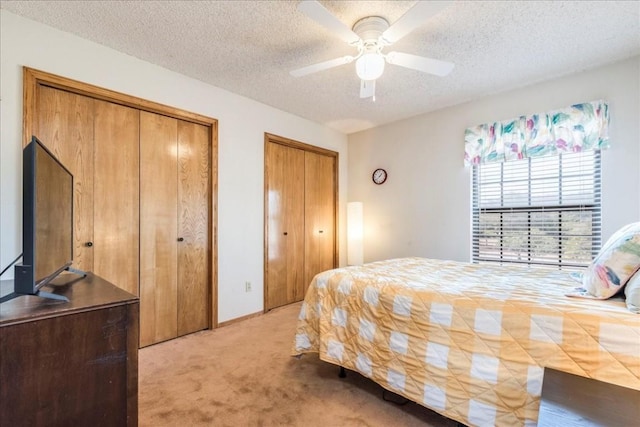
(320, 214)
(158, 228)
(118, 205)
(284, 202)
(64, 124)
(193, 226)
(116, 195)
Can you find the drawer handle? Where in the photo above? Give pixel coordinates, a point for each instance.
(88, 244)
(180, 239)
(285, 233)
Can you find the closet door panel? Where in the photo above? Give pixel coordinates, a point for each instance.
(293, 205)
(158, 228)
(65, 126)
(285, 227)
(320, 214)
(116, 195)
(193, 227)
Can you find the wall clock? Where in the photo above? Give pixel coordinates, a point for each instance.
(379, 176)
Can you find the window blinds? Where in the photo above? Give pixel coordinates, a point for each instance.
(541, 211)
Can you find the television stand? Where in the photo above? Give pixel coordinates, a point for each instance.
(43, 294)
(76, 271)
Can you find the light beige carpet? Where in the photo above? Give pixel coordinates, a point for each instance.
(243, 375)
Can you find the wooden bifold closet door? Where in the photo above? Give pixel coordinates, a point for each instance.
(65, 126)
(300, 217)
(116, 194)
(285, 206)
(158, 228)
(174, 172)
(143, 197)
(94, 138)
(319, 215)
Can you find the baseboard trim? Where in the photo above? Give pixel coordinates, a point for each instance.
(240, 319)
(251, 316)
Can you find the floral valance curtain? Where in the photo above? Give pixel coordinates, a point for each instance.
(580, 127)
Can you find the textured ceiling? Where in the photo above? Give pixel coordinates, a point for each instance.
(249, 47)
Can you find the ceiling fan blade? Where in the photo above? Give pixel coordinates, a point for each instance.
(420, 63)
(320, 66)
(322, 16)
(367, 88)
(413, 18)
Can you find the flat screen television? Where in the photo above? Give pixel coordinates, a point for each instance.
(47, 222)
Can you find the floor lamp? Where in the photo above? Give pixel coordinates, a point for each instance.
(354, 234)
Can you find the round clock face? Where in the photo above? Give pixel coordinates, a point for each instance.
(379, 176)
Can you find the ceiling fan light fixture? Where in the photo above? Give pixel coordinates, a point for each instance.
(370, 66)
(370, 35)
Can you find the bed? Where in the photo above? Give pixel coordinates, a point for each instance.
(468, 341)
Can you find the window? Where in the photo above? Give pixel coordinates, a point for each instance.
(542, 211)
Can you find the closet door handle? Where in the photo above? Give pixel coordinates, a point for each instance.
(320, 231)
(285, 233)
(180, 239)
(88, 244)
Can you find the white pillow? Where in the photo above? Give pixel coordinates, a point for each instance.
(616, 262)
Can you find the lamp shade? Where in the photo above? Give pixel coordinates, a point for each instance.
(370, 66)
(355, 254)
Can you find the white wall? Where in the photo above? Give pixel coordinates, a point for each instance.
(424, 207)
(242, 123)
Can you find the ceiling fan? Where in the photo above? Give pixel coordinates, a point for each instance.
(370, 36)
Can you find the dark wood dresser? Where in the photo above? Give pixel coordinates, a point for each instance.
(69, 363)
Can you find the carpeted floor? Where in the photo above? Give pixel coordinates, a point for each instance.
(243, 375)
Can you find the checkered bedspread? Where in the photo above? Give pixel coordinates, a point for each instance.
(468, 341)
